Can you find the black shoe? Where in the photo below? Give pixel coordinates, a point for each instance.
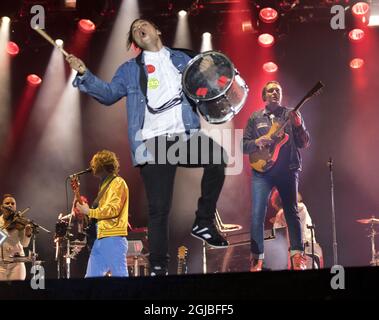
(158, 271)
(208, 232)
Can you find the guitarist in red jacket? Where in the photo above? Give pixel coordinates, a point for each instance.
(281, 171)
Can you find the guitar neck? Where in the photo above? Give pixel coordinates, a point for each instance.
(78, 197)
(180, 266)
(315, 90)
(75, 187)
(298, 106)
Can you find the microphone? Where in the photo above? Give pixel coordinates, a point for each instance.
(80, 173)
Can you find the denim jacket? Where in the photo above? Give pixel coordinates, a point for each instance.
(128, 81)
(259, 124)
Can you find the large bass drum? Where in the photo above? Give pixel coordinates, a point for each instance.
(212, 82)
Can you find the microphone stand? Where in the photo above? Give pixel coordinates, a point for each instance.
(335, 256)
(312, 229)
(34, 254)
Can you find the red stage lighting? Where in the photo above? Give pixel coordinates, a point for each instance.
(34, 80)
(268, 15)
(356, 63)
(361, 11)
(86, 25)
(266, 40)
(356, 35)
(12, 48)
(247, 26)
(270, 67)
(360, 8)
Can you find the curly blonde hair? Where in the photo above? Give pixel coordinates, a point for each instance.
(105, 160)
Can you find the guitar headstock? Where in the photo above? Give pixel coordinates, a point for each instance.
(75, 183)
(182, 252)
(316, 90)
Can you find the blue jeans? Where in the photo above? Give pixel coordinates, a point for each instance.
(108, 255)
(287, 185)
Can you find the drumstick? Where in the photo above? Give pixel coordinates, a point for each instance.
(48, 38)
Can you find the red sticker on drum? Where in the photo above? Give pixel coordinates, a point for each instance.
(150, 68)
(222, 81)
(201, 92)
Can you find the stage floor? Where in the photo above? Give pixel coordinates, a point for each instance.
(358, 283)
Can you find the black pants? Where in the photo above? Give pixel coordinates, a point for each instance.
(159, 181)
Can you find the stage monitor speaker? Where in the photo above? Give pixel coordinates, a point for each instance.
(236, 258)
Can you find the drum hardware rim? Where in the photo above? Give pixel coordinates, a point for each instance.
(192, 61)
(227, 95)
(230, 115)
(213, 98)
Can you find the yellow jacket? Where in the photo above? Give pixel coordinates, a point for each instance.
(112, 211)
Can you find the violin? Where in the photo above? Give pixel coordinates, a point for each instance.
(14, 220)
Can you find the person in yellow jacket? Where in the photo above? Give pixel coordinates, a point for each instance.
(110, 209)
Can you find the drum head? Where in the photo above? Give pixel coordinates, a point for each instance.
(207, 76)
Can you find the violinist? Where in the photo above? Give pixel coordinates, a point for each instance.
(18, 233)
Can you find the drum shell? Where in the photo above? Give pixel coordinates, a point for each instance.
(227, 105)
(220, 94)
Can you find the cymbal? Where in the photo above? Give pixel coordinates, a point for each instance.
(369, 221)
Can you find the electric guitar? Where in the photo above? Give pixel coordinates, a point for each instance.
(182, 260)
(264, 158)
(78, 198)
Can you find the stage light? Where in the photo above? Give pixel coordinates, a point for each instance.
(361, 11)
(86, 25)
(70, 4)
(34, 80)
(266, 40)
(270, 67)
(247, 26)
(360, 8)
(182, 13)
(12, 48)
(357, 63)
(5, 19)
(356, 35)
(59, 42)
(206, 43)
(374, 21)
(268, 15)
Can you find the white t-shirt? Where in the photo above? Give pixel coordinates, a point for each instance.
(164, 91)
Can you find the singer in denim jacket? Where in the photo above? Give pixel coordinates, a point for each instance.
(159, 114)
(284, 174)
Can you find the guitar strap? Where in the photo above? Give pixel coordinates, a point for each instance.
(91, 229)
(95, 203)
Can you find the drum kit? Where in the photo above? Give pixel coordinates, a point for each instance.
(372, 222)
(69, 241)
